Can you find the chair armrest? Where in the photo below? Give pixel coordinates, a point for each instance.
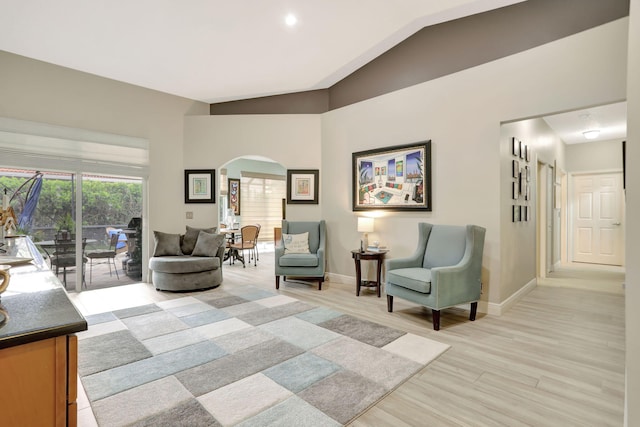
(408, 262)
(279, 250)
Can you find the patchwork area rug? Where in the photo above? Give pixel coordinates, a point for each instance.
(251, 358)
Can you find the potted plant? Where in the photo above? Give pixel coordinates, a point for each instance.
(66, 225)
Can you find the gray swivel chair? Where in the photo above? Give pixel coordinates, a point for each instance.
(310, 266)
(444, 271)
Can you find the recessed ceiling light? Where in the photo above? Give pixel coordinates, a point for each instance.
(291, 20)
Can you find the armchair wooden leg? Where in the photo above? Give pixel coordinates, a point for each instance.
(390, 303)
(277, 282)
(320, 284)
(436, 319)
(474, 310)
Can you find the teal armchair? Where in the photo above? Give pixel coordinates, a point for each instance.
(444, 271)
(309, 265)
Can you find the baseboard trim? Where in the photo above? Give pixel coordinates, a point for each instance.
(504, 306)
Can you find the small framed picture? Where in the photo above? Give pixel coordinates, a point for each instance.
(527, 154)
(302, 186)
(515, 168)
(527, 170)
(515, 146)
(523, 148)
(514, 191)
(199, 186)
(516, 213)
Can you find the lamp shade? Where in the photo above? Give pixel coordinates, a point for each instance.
(365, 225)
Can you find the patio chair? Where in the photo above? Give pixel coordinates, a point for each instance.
(64, 257)
(108, 255)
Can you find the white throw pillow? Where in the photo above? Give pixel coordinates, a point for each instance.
(296, 243)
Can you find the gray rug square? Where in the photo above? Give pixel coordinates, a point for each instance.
(205, 317)
(262, 359)
(186, 414)
(382, 367)
(362, 330)
(293, 412)
(267, 315)
(226, 301)
(153, 324)
(301, 372)
(140, 402)
(136, 311)
(109, 351)
(318, 315)
(343, 395)
(96, 319)
(296, 331)
(226, 370)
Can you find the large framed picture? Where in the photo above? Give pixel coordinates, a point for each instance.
(393, 178)
(302, 186)
(199, 186)
(234, 195)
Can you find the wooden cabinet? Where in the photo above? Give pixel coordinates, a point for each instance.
(39, 383)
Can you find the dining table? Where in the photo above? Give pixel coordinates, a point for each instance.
(232, 254)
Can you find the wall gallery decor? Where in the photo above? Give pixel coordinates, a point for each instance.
(199, 186)
(520, 180)
(393, 178)
(302, 186)
(234, 195)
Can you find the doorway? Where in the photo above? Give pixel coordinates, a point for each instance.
(598, 219)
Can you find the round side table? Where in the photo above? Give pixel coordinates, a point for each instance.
(368, 256)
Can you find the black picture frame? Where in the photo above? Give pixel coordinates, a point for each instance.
(396, 178)
(199, 185)
(303, 186)
(515, 146)
(233, 196)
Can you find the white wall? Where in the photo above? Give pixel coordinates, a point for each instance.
(461, 114)
(601, 156)
(632, 413)
(291, 140)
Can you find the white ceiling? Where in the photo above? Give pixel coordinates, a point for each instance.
(220, 50)
(610, 119)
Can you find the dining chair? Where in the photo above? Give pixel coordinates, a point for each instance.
(108, 255)
(247, 241)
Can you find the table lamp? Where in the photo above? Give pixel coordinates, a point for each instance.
(365, 226)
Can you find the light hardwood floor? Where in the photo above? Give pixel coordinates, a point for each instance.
(555, 359)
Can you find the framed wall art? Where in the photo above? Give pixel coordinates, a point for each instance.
(234, 195)
(403, 182)
(199, 186)
(302, 186)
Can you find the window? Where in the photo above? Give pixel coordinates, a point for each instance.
(261, 198)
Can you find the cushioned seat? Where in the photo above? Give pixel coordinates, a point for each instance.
(189, 262)
(300, 252)
(445, 269)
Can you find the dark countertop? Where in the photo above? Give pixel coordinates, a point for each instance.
(35, 304)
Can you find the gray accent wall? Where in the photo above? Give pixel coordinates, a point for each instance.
(443, 49)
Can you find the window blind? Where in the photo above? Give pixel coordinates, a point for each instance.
(261, 201)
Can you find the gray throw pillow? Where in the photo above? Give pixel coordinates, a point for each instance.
(166, 244)
(191, 236)
(208, 244)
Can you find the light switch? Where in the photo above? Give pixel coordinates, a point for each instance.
(189, 215)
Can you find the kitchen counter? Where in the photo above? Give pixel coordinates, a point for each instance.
(38, 345)
(35, 303)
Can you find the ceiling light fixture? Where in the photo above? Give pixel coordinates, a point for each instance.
(591, 134)
(291, 20)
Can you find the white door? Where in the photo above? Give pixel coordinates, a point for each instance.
(598, 219)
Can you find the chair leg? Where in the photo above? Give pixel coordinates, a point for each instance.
(277, 282)
(390, 303)
(436, 319)
(474, 310)
(320, 284)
